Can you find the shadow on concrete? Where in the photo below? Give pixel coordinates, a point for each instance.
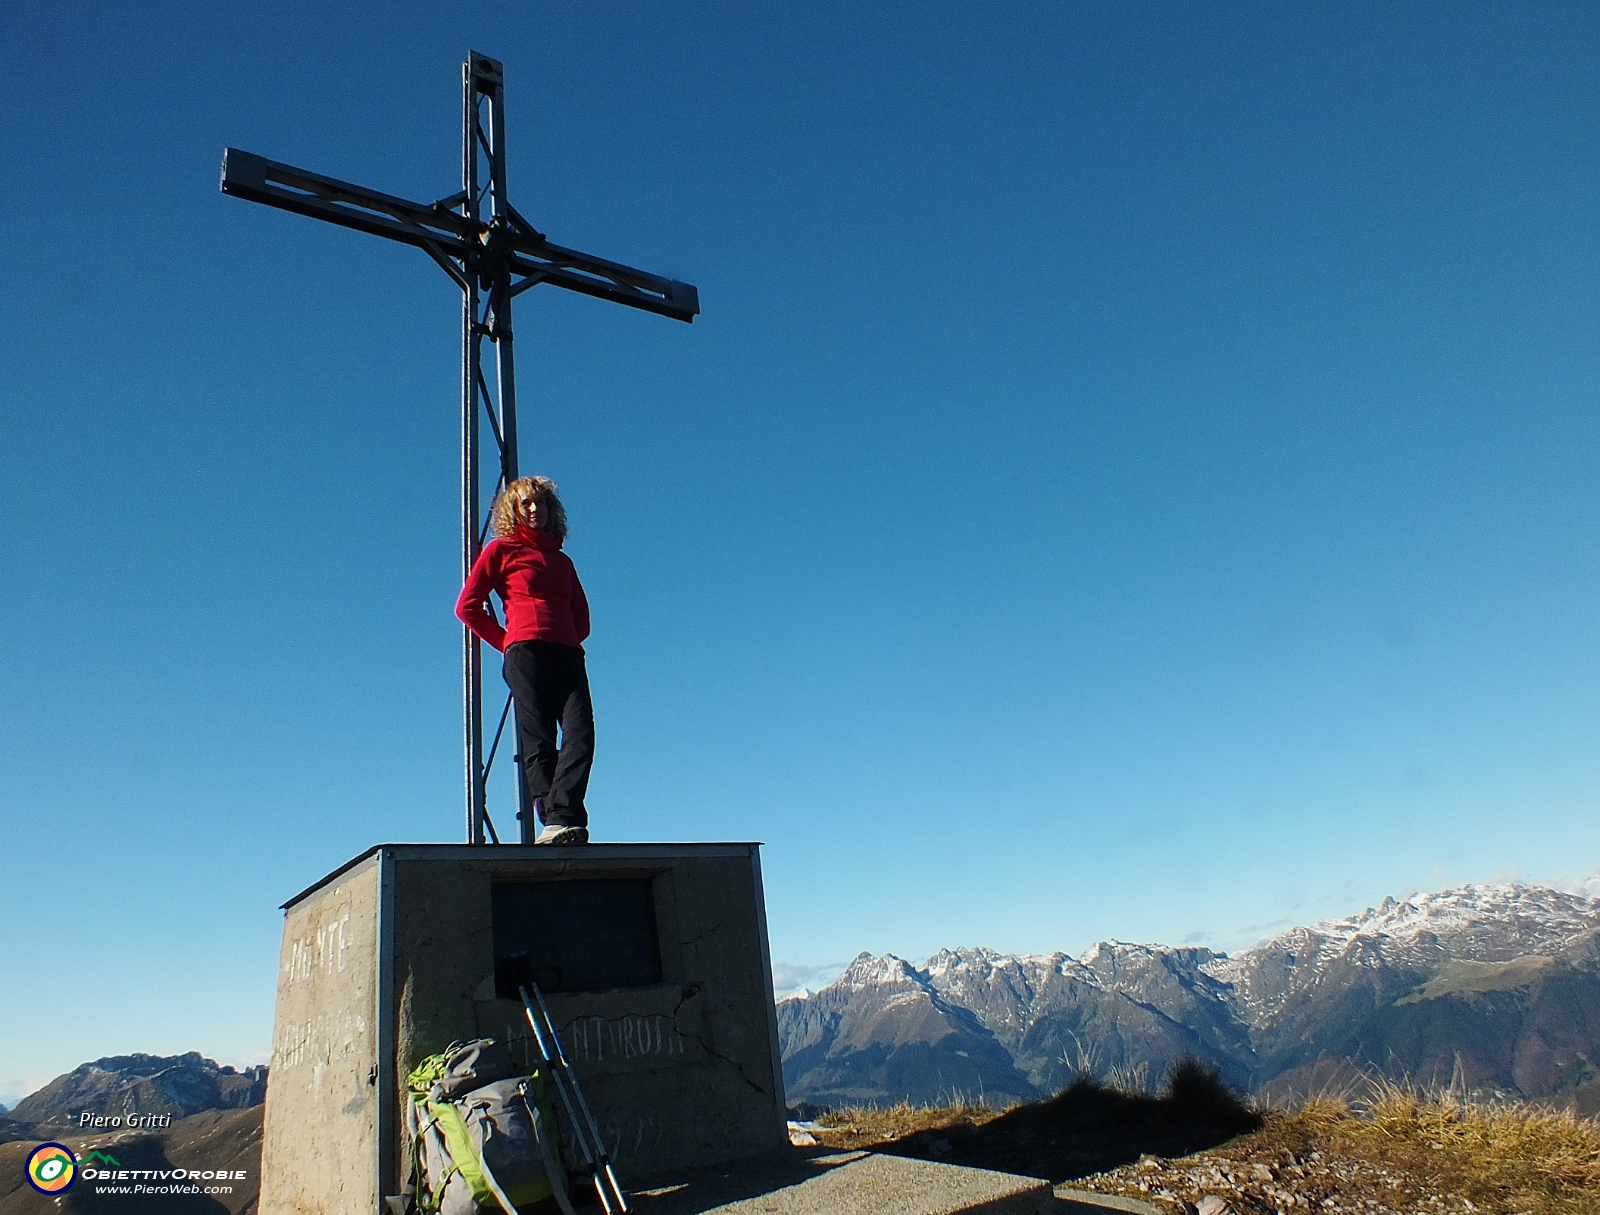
(695, 1190)
(1088, 1128)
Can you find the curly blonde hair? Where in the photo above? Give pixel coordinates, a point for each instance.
(503, 514)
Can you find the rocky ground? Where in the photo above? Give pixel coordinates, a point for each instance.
(1260, 1179)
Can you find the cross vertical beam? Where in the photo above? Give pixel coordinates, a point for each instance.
(491, 260)
(476, 775)
(483, 138)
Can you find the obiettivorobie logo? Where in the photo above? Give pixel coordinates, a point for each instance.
(52, 1168)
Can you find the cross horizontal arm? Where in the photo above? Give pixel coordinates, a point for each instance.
(544, 262)
(245, 175)
(441, 231)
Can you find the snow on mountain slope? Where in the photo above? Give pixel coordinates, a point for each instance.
(1410, 980)
(1473, 923)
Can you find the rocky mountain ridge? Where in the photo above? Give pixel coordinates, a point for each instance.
(1493, 987)
(169, 1086)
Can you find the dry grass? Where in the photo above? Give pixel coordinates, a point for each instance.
(1390, 1148)
(865, 1125)
(1509, 1157)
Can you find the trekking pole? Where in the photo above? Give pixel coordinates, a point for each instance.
(572, 1115)
(594, 1130)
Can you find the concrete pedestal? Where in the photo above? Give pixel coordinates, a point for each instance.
(653, 958)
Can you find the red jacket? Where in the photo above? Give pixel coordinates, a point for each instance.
(539, 584)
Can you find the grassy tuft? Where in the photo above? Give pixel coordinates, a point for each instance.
(1519, 1154)
(1190, 1084)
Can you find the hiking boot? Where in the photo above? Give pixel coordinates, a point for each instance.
(551, 833)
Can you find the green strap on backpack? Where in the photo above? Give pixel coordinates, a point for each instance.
(465, 1158)
(446, 1117)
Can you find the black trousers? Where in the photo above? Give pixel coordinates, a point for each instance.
(550, 686)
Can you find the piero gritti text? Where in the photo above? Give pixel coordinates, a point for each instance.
(132, 1122)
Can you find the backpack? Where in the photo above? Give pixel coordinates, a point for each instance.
(482, 1135)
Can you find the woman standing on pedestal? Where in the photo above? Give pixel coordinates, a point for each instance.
(547, 619)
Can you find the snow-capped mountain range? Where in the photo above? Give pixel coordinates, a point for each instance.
(1495, 987)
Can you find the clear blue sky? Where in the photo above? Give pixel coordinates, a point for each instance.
(1137, 473)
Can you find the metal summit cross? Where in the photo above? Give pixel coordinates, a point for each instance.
(492, 260)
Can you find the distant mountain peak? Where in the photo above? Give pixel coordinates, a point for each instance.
(153, 1084)
(1560, 914)
(870, 971)
(1472, 922)
(981, 961)
(1433, 988)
